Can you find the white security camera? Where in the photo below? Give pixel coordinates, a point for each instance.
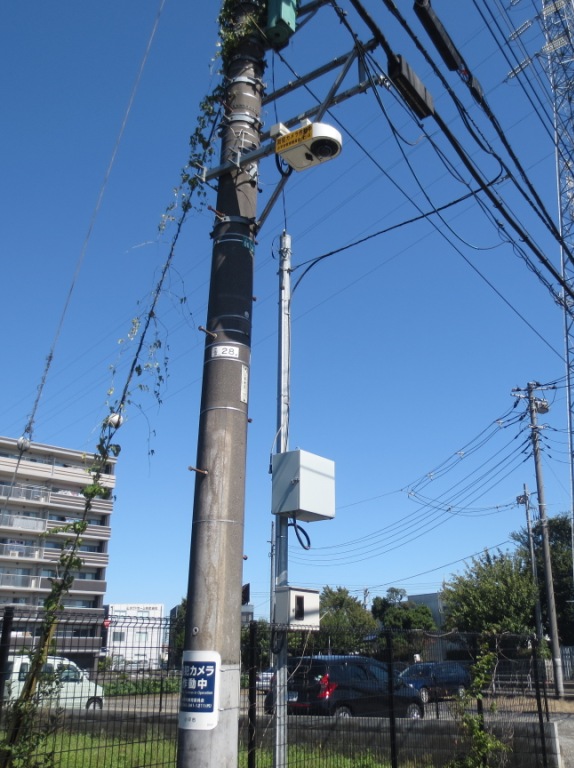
(307, 146)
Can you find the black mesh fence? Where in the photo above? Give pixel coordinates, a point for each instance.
(109, 695)
(400, 699)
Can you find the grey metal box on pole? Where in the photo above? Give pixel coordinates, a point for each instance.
(297, 608)
(303, 486)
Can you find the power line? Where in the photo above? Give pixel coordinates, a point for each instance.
(28, 429)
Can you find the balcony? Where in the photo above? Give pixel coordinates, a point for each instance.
(24, 493)
(89, 559)
(15, 581)
(20, 552)
(21, 523)
(76, 501)
(97, 532)
(90, 586)
(63, 499)
(50, 469)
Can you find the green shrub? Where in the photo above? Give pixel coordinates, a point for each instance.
(123, 686)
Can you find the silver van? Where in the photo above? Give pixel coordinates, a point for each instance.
(62, 684)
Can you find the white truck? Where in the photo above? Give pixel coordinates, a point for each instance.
(62, 683)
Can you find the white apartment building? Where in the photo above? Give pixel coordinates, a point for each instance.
(137, 635)
(38, 496)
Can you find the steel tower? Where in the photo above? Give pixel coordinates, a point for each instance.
(557, 20)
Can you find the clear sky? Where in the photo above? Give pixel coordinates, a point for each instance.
(405, 348)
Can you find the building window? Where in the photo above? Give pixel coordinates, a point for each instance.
(80, 603)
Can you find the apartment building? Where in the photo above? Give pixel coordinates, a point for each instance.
(137, 636)
(38, 495)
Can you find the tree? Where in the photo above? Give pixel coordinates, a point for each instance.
(176, 636)
(495, 594)
(560, 539)
(407, 621)
(409, 615)
(393, 613)
(382, 604)
(263, 643)
(345, 623)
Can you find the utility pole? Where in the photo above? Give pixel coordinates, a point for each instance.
(525, 499)
(536, 406)
(209, 705)
(282, 522)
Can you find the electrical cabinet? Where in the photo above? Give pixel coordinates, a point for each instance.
(303, 486)
(297, 607)
(281, 21)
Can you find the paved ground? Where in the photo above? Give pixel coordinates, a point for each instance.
(566, 737)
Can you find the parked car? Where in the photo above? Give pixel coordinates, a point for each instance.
(264, 678)
(344, 686)
(62, 683)
(437, 680)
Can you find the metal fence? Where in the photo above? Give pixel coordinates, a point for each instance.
(401, 699)
(110, 696)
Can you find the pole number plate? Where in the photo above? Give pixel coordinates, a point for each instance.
(223, 350)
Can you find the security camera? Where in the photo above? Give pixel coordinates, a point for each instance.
(309, 145)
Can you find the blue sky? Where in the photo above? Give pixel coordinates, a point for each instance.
(405, 348)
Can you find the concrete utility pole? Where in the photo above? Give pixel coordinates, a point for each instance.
(282, 522)
(525, 499)
(535, 406)
(209, 706)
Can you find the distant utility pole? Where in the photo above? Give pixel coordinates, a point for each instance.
(525, 499)
(209, 706)
(536, 406)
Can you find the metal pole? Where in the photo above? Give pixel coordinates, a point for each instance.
(252, 708)
(209, 704)
(282, 522)
(7, 623)
(534, 569)
(272, 583)
(392, 713)
(539, 702)
(554, 639)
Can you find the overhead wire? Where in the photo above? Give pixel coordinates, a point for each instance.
(29, 427)
(399, 532)
(540, 208)
(404, 525)
(439, 567)
(557, 297)
(497, 202)
(422, 215)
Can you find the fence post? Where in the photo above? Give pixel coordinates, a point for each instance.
(7, 622)
(534, 643)
(392, 713)
(252, 706)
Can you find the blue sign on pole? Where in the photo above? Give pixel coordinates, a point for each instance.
(199, 704)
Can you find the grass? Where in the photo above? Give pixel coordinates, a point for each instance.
(73, 750)
(153, 750)
(123, 686)
(297, 756)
